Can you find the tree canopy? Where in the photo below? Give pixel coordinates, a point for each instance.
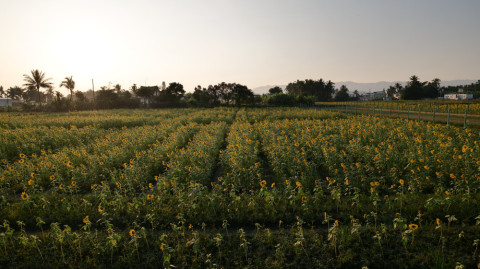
(37, 80)
(318, 88)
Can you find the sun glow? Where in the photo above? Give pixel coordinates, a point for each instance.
(85, 52)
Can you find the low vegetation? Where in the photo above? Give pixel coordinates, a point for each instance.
(237, 187)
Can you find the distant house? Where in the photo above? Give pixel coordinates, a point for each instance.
(5, 102)
(380, 95)
(458, 96)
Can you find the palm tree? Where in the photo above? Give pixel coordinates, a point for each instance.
(37, 81)
(69, 84)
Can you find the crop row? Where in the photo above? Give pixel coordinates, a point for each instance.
(359, 183)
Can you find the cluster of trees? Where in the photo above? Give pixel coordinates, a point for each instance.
(222, 93)
(306, 92)
(321, 90)
(416, 90)
(300, 92)
(172, 95)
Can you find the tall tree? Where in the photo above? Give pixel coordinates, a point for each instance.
(202, 96)
(171, 96)
(37, 80)
(2, 92)
(69, 84)
(241, 94)
(342, 94)
(413, 90)
(432, 89)
(391, 91)
(145, 92)
(398, 87)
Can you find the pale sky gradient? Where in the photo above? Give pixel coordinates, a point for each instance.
(252, 42)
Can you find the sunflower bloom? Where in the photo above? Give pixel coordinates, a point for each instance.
(413, 226)
(263, 183)
(24, 196)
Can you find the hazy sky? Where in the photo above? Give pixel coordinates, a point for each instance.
(253, 42)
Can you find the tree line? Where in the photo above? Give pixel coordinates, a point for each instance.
(300, 92)
(417, 90)
(38, 93)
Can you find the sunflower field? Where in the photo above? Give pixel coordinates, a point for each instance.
(237, 187)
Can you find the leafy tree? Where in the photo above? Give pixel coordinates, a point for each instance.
(213, 94)
(2, 92)
(391, 91)
(398, 87)
(342, 94)
(275, 90)
(171, 96)
(37, 80)
(80, 97)
(356, 95)
(145, 92)
(175, 90)
(117, 88)
(202, 97)
(224, 91)
(106, 98)
(30, 94)
(413, 90)
(15, 93)
(432, 89)
(241, 94)
(69, 84)
(321, 90)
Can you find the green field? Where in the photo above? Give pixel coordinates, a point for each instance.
(237, 187)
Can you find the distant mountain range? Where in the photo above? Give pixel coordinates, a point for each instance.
(368, 87)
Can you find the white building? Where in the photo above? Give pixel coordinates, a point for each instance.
(5, 102)
(373, 96)
(458, 96)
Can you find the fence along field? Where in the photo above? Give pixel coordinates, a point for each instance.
(231, 187)
(459, 113)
